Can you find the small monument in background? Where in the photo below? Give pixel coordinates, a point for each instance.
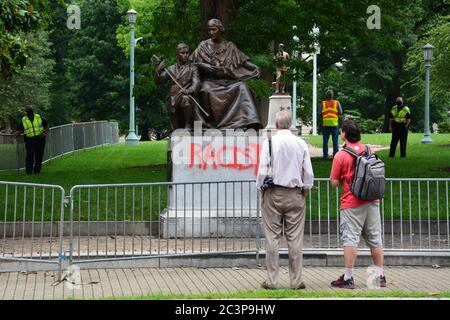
(281, 100)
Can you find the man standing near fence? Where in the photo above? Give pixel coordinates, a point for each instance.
(285, 158)
(358, 217)
(35, 129)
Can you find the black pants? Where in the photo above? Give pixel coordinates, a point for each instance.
(35, 153)
(400, 132)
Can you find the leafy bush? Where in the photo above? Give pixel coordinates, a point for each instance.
(365, 125)
(259, 88)
(444, 126)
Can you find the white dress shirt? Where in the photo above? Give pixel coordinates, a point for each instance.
(291, 163)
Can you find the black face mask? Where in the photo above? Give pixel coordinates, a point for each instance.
(399, 103)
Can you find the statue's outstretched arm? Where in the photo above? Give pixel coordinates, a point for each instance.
(253, 67)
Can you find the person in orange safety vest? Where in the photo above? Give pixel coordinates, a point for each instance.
(330, 110)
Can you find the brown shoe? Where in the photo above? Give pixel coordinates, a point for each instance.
(264, 285)
(300, 287)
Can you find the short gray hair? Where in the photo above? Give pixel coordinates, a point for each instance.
(283, 120)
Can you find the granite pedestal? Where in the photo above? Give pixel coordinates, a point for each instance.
(213, 192)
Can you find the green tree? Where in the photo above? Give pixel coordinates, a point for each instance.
(17, 17)
(61, 95)
(373, 69)
(162, 24)
(31, 85)
(95, 68)
(437, 33)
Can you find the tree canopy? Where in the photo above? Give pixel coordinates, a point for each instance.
(367, 68)
(16, 18)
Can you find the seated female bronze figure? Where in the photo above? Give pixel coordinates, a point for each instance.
(223, 94)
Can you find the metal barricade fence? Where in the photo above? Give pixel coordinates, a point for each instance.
(31, 222)
(132, 221)
(12, 152)
(60, 141)
(139, 220)
(414, 215)
(149, 220)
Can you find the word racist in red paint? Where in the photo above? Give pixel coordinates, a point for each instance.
(236, 158)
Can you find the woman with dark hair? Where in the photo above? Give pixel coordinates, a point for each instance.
(223, 68)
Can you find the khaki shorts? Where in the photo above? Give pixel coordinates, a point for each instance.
(363, 220)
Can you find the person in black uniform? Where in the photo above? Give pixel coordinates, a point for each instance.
(399, 122)
(35, 129)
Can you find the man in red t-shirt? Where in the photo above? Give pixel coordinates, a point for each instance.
(358, 217)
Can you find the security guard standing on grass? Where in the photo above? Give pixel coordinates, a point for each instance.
(400, 119)
(35, 129)
(330, 111)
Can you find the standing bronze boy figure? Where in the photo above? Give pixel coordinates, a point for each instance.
(281, 58)
(180, 102)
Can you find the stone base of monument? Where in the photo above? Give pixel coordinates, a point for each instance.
(278, 102)
(213, 191)
(207, 224)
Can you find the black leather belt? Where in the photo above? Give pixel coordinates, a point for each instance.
(277, 185)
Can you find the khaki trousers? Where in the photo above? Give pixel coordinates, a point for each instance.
(284, 204)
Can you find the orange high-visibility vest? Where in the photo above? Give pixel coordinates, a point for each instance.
(330, 112)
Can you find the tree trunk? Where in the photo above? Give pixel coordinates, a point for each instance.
(224, 10)
(394, 91)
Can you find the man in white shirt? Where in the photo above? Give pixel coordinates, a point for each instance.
(291, 170)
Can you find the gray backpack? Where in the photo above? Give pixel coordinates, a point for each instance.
(369, 181)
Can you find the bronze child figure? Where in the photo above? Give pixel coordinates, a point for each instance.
(185, 82)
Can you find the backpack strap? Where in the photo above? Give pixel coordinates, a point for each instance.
(350, 151)
(368, 153)
(270, 151)
(270, 154)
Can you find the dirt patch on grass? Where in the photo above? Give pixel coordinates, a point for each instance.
(444, 145)
(151, 167)
(445, 169)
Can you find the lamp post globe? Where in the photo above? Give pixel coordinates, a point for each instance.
(132, 138)
(132, 16)
(428, 56)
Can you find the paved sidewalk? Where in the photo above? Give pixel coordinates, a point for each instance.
(318, 152)
(103, 283)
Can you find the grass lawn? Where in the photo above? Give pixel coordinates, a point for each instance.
(108, 164)
(147, 163)
(289, 294)
(102, 165)
(422, 160)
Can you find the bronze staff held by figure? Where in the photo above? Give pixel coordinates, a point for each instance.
(185, 83)
(223, 67)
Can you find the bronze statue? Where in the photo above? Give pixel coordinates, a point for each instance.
(223, 67)
(185, 83)
(281, 58)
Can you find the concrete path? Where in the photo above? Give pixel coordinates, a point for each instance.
(105, 283)
(316, 152)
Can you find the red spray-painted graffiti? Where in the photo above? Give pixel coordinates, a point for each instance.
(236, 158)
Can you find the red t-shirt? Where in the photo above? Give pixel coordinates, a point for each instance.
(343, 170)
